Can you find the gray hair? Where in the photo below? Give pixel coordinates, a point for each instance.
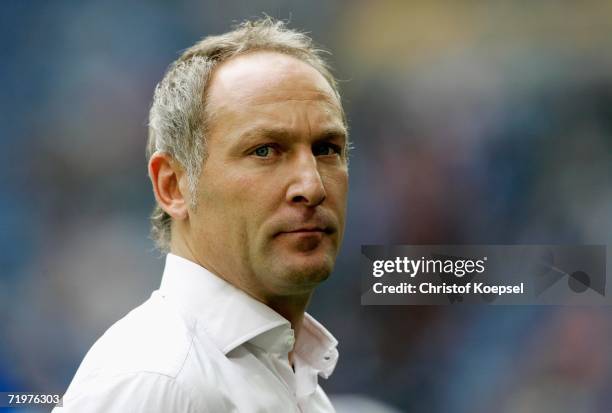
(177, 119)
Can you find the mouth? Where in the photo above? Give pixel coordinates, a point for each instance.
(309, 230)
(305, 230)
(306, 239)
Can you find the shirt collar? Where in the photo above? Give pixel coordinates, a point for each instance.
(230, 317)
(317, 347)
(315, 355)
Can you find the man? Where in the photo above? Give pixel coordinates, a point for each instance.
(248, 160)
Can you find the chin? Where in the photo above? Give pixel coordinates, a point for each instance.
(303, 274)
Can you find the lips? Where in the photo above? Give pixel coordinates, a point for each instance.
(308, 230)
(321, 226)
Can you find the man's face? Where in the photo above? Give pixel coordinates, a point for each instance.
(271, 198)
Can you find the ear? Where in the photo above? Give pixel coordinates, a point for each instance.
(167, 177)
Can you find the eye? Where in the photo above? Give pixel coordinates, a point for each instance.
(326, 149)
(263, 151)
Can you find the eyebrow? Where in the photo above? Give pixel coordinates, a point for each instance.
(284, 134)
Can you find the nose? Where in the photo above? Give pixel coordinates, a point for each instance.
(306, 186)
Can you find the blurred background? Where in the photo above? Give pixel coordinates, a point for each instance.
(473, 122)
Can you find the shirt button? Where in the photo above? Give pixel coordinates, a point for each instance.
(290, 341)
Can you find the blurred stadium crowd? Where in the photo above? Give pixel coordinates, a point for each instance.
(473, 122)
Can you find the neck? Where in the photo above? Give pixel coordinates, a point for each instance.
(291, 308)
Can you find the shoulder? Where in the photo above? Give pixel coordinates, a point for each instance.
(152, 338)
(137, 392)
(149, 361)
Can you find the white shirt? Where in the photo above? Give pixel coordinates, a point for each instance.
(199, 344)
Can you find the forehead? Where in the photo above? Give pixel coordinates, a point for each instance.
(265, 77)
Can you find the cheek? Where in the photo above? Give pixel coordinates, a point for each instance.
(247, 193)
(246, 200)
(336, 185)
(223, 212)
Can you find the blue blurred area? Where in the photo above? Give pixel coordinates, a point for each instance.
(473, 122)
